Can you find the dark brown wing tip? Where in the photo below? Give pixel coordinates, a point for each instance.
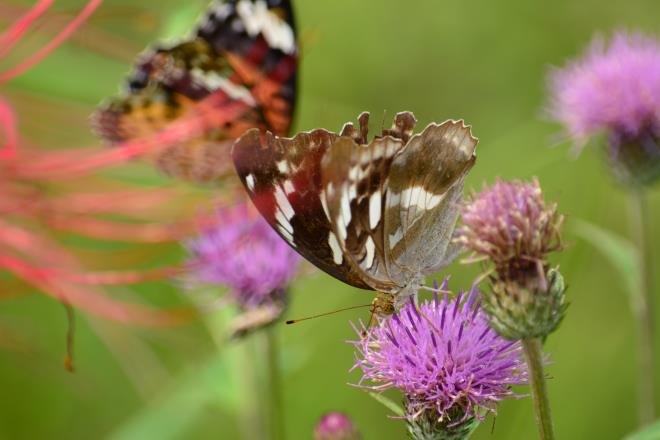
(464, 126)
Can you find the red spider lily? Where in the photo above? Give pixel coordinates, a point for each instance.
(40, 200)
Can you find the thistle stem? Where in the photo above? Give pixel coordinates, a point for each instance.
(243, 363)
(533, 352)
(275, 407)
(246, 376)
(643, 307)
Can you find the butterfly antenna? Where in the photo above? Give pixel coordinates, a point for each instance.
(295, 321)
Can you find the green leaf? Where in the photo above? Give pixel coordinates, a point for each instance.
(621, 253)
(388, 403)
(651, 432)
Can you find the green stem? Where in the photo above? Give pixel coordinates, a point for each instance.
(275, 407)
(242, 360)
(643, 307)
(533, 352)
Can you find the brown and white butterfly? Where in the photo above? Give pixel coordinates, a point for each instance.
(377, 215)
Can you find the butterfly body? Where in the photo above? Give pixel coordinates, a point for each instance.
(242, 51)
(377, 215)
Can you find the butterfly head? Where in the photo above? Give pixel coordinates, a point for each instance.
(383, 304)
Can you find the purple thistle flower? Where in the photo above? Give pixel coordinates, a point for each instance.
(335, 426)
(444, 357)
(245, 254)
(511, 224)
(614, 89)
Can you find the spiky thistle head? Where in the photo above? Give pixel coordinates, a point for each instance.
(510, 224)
(450, 365)
(244, 254)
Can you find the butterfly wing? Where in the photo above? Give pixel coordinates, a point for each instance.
(242, 51)
(283, 178)
(422, 204)
(355, 181)
(258, 40)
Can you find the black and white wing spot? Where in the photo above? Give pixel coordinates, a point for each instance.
(337, 253)
(249, 182)
(375, 209)
(259, 19)
(284, 213)
(270, 18)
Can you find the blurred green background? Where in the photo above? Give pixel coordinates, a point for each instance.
(481, 60)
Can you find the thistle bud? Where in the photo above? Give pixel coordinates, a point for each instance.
(428, 426)
(526, 310)
(335, 426)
